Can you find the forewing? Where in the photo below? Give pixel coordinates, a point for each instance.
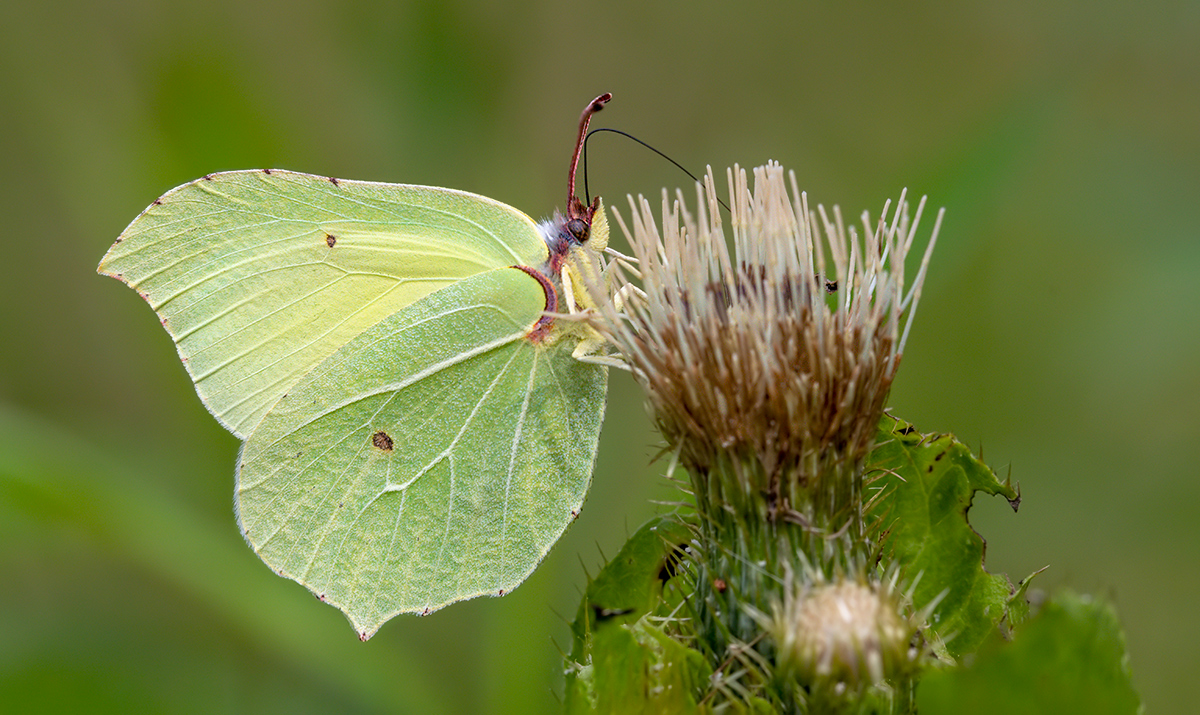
(436, 457)
(259, 276)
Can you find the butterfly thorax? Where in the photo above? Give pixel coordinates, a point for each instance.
(579, 260)
(575, 269)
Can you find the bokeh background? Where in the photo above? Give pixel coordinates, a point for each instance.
(1059, 327)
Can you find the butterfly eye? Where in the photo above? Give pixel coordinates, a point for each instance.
(578, 228)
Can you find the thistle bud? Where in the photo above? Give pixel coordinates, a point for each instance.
(842, 636)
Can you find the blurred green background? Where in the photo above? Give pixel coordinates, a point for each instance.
(1059, 329)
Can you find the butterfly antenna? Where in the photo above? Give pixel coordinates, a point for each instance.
(576, 210)
(627, 135)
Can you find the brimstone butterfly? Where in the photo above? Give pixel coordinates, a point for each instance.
(417, 428)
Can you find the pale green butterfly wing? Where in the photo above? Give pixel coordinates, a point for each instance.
(261, 275)
(434, 458)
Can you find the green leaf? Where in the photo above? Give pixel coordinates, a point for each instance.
(636, 668)
(1019, 608)
(620, 661)
(631, 584)
(1069, 658)
(928, 483)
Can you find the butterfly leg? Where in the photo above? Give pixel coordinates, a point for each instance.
(568, 285)
(585, 352)
(622, 296)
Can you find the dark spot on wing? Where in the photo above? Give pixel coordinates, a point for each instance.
(363, 636)
(157, 202)
(333, 181)
(330, 239)
(501, 592)
(207, 177)
(381, 440)
(267, 172)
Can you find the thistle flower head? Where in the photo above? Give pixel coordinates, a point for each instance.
(779, 350)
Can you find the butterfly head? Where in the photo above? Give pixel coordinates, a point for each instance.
(577, 240)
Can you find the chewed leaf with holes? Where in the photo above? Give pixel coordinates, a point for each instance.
(417, 429)
(928, 483)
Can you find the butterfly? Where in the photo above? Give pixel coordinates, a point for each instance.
(419, 418)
